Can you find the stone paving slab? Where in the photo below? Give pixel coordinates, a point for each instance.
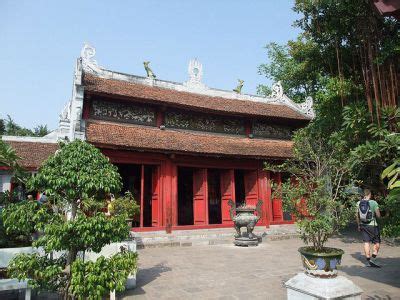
(229, 272)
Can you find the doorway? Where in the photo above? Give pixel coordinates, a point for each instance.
(185, 196)
(142, 182)
(214, 196)
(240, 193)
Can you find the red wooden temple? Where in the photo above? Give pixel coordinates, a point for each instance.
(182, 149)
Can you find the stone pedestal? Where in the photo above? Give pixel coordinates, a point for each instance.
(304, 287)
(245, 241)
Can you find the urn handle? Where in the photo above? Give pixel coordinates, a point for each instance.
(232, 209)
(258, 208)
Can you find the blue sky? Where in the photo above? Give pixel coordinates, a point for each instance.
(40, 40)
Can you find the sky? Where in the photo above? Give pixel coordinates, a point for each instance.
(41, 40)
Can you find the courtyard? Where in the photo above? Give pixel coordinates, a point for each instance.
(229, 272)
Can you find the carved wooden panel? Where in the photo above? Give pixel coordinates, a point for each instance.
(204, 122)
(265, 130)
(123, 112)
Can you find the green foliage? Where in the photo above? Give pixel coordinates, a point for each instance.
(83, 233)
(2, 127)
(341, 46)
(75, 179)
(316, 192)
(9, 159)
(91, 280)
(125, 205)
(77, 171)
(391, 226)
(295, 65)
(380, 147)
(9, 127)
(42, 272)
(18, 218)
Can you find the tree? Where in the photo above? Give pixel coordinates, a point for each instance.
(316, 193)
(2, 127)
(9, 159)
(41, 130)
(10, 127)
(347, 58)
(76, 174)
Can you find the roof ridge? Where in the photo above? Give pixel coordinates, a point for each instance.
(193, 85)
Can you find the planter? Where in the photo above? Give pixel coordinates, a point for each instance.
(129, 222)
(321, 264)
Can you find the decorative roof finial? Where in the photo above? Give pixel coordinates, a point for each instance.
(307, 107)
(277, 90)
(195, 70)
(149, 72)
(87, 57)
(238, 89)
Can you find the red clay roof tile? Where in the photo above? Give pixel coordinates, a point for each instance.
(94, 84)
(109, 134)
(32, 154)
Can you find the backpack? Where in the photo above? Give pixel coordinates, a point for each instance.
(364, 211)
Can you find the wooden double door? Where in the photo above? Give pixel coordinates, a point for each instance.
(236, 185)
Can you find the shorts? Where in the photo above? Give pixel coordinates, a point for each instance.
(370, 234)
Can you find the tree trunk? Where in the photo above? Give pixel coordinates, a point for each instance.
(72, 253)
(374, 82)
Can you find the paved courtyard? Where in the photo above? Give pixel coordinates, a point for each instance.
(228, 272)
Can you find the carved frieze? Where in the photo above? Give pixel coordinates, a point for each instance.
(265, 130)
(121, 112)
(203, 122)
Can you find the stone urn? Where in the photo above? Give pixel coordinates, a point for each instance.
(321, 264)
(245, 217)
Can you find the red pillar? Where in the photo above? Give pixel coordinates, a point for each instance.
(169, 194)
(264, 192)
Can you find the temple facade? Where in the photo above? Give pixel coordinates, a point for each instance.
(183, 149)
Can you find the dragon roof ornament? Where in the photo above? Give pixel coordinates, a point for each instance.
(194, 84)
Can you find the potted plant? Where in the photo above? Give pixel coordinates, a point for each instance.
(315, 194)
(125, 205)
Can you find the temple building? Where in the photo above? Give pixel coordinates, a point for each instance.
(183, 149)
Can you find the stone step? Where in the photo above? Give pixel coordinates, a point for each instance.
(197, 237)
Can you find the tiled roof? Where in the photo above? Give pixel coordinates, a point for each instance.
(105, 134)
(32, 154)
(187, 100)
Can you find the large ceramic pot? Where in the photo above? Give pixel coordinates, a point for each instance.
(322, 264)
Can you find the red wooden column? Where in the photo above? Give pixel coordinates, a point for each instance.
(200, 197)
(168, 194)
(155, 198)
(264, 193)
(141, 194)
(251, 187)
(227, 193)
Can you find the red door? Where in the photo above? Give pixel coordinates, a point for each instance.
(277, 211)
(227, 193)
(200, 201)
(251, 187)
(155, 198)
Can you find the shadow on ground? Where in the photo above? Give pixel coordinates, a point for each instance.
(388, 274)
(145, 276)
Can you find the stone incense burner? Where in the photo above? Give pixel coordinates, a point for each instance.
(245, 217)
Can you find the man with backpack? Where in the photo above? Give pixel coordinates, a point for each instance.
(367, 212)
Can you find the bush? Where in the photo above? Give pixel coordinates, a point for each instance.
(125, 205)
